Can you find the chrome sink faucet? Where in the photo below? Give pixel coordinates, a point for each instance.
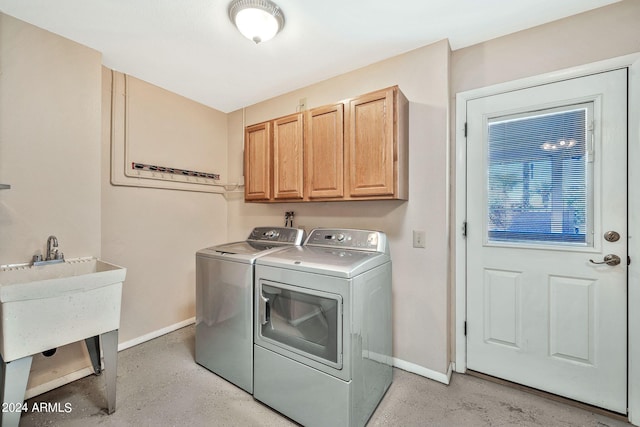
(52, 248)
(54, 256)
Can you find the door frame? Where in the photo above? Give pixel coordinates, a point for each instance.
(632, 62)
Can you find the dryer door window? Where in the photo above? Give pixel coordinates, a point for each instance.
(301, 320)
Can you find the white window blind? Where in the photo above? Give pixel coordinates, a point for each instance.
(538, 177)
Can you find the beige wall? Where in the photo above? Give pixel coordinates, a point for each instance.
(599, 34)
(155, 233)
(50, 154)
(49, 143)
(55, 152)
(420, 289)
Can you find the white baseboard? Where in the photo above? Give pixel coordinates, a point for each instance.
(422, 371)
(85, 372)
(58, 382)
(155, 334)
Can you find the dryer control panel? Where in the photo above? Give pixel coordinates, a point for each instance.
(374, 241)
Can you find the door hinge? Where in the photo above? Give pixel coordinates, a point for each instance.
(464, 229)
(465, 129)
(628, 260)
(465, 328)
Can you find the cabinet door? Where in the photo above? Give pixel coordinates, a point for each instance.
(370, 148)
(324, 151)
(287, 157)
(257, 166)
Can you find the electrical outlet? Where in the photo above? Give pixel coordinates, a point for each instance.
(419, 238)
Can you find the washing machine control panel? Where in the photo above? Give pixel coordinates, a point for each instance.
(277, 234)
(347, 239)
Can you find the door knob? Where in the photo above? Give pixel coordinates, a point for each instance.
(609, 259)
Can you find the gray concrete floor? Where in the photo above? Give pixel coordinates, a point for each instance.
(159, 384)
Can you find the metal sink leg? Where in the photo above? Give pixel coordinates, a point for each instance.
(14, 376)
(110, 352)
(93, 346)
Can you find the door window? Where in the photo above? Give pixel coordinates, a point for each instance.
(304, 321)
(539, 177)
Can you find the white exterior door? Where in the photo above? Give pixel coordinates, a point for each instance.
(546, 205)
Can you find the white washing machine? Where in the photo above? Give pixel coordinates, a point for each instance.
(322, 353)
(224, 301)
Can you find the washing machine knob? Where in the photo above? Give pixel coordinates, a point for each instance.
(271, 234)
(340, 237)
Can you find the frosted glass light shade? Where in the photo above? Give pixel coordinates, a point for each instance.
(257, 20)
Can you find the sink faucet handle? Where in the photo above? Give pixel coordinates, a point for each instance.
(52, 242)
(37, 258)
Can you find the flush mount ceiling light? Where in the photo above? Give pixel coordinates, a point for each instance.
(257, 20)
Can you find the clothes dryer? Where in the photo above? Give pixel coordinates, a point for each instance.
(322, 353)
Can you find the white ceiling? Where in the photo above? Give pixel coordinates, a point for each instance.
(190, 47)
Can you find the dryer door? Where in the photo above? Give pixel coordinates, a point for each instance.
(303, 321)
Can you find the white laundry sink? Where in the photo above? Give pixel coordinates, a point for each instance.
(44, 307)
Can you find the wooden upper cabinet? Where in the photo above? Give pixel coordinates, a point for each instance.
(288, 157)
(324, 152)
(352, 150)
(371, 153)
(257, 162)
